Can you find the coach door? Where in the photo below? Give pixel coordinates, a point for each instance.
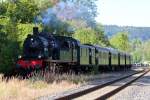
(110, 59)
(119, 59)
(72, 51)
(96, 56)
(90, 56)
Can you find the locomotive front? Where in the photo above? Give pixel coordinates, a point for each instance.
(36, 49)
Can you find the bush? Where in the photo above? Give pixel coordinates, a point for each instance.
(9, 47)
(8, 55)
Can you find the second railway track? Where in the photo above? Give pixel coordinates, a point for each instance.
(84, 93)
(113, 92)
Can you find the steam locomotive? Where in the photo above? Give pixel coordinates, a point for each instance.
(42, 50)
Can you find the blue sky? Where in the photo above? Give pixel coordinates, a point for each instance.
(124, 12)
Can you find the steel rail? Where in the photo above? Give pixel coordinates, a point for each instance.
(86, 91)
(113, 92)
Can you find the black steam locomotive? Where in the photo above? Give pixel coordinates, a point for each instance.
(41, 50)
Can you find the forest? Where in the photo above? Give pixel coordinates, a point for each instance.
(75, 18)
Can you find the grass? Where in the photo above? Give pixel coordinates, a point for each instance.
(51, 77)
(39, 84)
(26, 90)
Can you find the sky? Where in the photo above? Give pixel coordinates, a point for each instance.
(124, 12)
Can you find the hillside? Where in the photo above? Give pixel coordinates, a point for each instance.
(143, 33)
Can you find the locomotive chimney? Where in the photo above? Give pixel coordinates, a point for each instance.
(35, 30)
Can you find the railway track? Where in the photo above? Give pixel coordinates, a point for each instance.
(107, 95)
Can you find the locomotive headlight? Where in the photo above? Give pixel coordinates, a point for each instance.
(19, 56)
(39, 56)
(31, 39)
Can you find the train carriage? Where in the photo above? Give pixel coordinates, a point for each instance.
(102, 57)
(122, 60)
(128, 60)
(114, 62)
(86, 57)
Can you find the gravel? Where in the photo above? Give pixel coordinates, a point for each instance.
(139, 90)
(100, 92)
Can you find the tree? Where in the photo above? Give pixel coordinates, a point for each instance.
(9, 46)
(137, 55)
(16, 21)
(136, 50)
(90, 4)
(136, 43)
(90, 10)
(45, 4)
(120, 41)
(23, 11)
(86, 36)
(146, 50)
(101, 38)
(3, 8)
(77, 24)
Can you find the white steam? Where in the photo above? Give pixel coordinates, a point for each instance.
(66, 11)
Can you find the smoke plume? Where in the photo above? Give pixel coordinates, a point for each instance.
(57, 16)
